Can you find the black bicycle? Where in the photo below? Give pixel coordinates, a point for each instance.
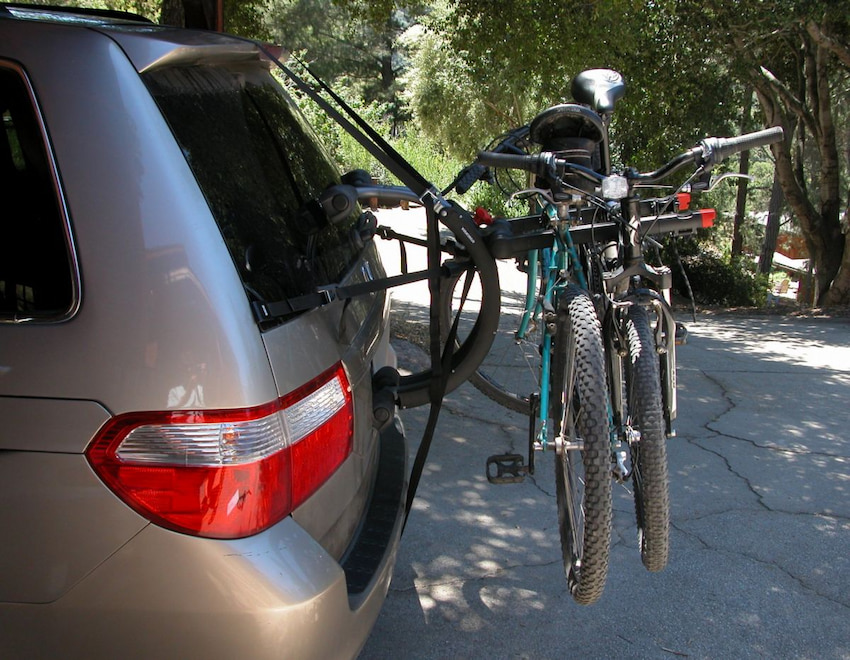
(593, 320)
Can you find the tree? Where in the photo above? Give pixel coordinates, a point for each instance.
(810, 108)
(200, 14)
(741, 197)
(508, 70)
(774, 222)
(352, 43)
(244, 17)
(796, 55)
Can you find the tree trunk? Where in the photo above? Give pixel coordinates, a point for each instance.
(839, 291)
(810, 112)
(172, 13)
(741, 199)
(774, 220)
(197, 14)
(740, 206)
(822, 232)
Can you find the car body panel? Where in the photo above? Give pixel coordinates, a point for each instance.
(53, 547)
(163, 322)
(49, 425)
(181, 47)
(283, 608)
(146, 244)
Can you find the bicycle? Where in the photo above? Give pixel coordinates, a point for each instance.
(595, 322)
(592, 310)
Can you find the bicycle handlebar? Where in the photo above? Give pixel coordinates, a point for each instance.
(715, 150)
(539, 164)
(709, 153)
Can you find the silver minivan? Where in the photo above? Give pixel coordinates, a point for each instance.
(183, 473)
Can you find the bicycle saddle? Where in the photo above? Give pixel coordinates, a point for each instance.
(598, 88)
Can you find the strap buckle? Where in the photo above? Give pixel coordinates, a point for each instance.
(328, 292)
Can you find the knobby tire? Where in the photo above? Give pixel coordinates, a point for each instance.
(582, 477)
(649, 454)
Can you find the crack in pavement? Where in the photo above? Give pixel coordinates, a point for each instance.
(714, 433)
(749, 484)
(770, 447)
(695, 442)
(801, 581)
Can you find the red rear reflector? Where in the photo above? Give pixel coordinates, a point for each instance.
(707, 216)
(228, 473)
(482, 216)
(684, 200)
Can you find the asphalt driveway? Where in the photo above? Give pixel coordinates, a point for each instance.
(760, 539)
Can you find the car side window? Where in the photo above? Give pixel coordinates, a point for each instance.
(36, 272)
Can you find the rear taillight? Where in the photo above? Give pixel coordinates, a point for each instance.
(228, 473)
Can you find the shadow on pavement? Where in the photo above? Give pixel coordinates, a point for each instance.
(760, 521)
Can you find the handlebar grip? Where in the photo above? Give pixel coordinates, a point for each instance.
(537, 164)
(715, 150)
(469, 176)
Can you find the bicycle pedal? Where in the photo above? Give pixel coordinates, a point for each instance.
(509, 469)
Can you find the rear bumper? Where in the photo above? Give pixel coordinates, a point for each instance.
(276, 594)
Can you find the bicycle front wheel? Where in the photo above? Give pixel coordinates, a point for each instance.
(649, 454)
(582, 461)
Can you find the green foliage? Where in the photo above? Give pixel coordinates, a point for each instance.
(456, 107)
(247, 18)
(148, 8)
(351, 45)
(714, 279)
(504, 72)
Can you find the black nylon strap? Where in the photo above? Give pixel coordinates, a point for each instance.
(395, 157)
(369, 139)
(438, 382)
(265, 311)
(434, 205)
(439, 390)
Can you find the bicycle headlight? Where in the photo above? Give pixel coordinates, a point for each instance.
(615, 187)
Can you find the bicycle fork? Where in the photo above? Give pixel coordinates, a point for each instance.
(623, 434)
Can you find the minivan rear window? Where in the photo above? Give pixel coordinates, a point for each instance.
(37, 271)
(259, 166)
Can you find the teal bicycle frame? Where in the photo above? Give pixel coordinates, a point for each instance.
(558, 265)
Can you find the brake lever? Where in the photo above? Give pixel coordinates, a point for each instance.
(543, 192)
(706, 184)
(726, 175)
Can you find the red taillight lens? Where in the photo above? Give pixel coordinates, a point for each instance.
(228, 473)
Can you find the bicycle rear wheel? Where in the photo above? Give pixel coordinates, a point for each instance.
(510, 372)
(582, 461)
(480, 326)
(649, 454)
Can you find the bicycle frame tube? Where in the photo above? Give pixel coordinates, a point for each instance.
(554, 262)
(531, 302)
